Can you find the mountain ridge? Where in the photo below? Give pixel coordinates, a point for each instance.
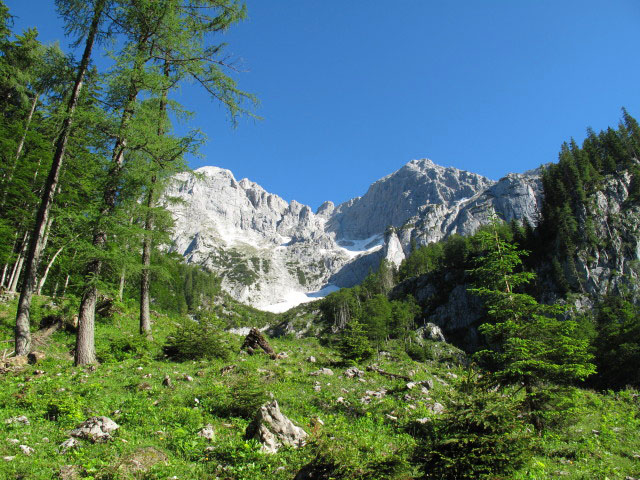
(275, 254)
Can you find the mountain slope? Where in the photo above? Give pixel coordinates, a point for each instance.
(273, 254)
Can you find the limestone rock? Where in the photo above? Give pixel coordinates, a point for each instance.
(322, 371)
(424, 384)
(95, 429)
(68, 444)
(20, 419)
(352, 372)
(26, 449)
(207, 432)
(271, 428)
(430, 331)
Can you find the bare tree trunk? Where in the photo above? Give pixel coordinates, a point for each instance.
(145, 315)
(46, 270)
(16, 274)
(122, 280)
(6, 265)
(145, 281)
(17, 266)
(4, 274)
(22, 333)
(26, 127)
(66, 284)
(47, 230)
(9, 175)
(123, 273)
(85, 350)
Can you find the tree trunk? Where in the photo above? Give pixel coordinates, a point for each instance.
(47, 230)
(122, 280)
(85, 342)
(85, 353)
(86, 316)
(17, 266)
(4, 274)
(26, 128)
(6, 265)
(145, 316)
(16, 274)
(9, 175)
(66, 284)
(46, 270)
(22, 334)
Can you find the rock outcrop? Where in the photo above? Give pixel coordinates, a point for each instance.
(271, 428)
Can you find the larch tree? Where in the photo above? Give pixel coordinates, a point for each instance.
(170, 36)
(88, 21)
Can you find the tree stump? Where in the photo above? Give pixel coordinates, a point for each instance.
(255, 340)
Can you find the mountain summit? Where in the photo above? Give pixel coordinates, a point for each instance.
(273, 254)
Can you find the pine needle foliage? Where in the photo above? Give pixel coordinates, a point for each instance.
(530, 345)
(477, 437)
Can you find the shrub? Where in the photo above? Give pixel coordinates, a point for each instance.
(247, 396)
(242, 399)
(119, 349)
(194, 340)
(477, 437)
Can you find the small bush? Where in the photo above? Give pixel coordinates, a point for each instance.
(242, 399)
(123, 348)
(64, 410)
(477, 437)
(419, 353)
(436, 351)
(247, 396)
(194, 340)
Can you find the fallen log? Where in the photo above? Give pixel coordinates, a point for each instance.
(394, 376)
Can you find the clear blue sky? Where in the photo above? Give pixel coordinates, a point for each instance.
(352, 90)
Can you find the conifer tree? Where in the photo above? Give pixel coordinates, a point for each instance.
(530, 345)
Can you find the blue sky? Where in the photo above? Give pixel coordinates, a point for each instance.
(352, 90)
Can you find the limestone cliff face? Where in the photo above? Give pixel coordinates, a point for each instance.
(274, 254)
(608, 265)
(396, 198)
(612, 265)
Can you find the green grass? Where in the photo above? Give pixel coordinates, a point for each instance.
(159, 425)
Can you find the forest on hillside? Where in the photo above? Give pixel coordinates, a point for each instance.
(87, 152)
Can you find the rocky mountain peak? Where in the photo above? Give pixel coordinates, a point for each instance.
(274, 254)
(394, 199)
